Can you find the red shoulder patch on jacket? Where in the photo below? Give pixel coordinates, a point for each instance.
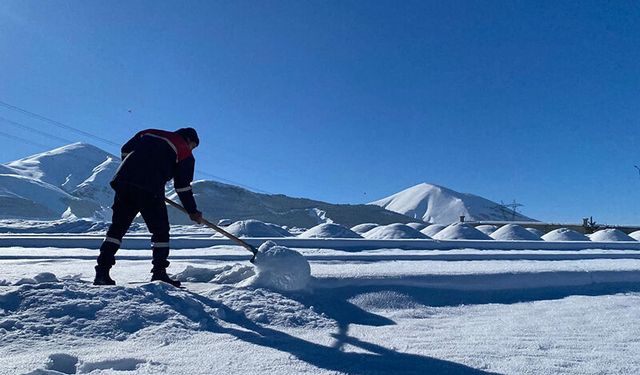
(177, 143)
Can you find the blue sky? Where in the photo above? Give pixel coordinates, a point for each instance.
(348, 101)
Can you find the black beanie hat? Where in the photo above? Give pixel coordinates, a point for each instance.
(189, 134)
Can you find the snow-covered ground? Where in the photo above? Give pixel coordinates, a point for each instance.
(465, 311)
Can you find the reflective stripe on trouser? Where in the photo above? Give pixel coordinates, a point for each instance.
(108, 249)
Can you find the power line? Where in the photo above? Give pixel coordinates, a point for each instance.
(20, 139)
(23, 126)
(57, 123)
(90, 135)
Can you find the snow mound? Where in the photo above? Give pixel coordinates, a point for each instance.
(363, 228)
(329, 230)
(433, 229)
(487, 229)
(535, 231)
(393, 232)
(514, 232)
(635, 235)
(461, 231)
(610, 235)
(283, 231)
(227, 274)
(74, 308)
(254, 228)
(280, 268)
(564, 234)
(417, 226)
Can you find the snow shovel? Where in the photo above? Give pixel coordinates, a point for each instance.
(223, 232)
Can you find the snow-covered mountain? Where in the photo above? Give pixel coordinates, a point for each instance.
(73, 181)
(66, 167)
(437, 204)
(45, 185)
(223, 201)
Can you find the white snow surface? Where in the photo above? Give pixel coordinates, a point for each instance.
(329, 230)
(513, 232)
(460, 231)
(394, 231)
(610, 235)
(385, 311)
(564, 234)
(437, 204)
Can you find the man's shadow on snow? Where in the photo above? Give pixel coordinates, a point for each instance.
(378, 360)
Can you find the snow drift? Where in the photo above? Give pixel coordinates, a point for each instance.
(433, 229)
(461, 231)
(254, 228)
(564, 234)
(610, 235)
(329, 230)
(514, 232)
(394, 231)
(363, 228)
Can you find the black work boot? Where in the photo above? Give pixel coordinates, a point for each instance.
(102, 276)
(160, 274)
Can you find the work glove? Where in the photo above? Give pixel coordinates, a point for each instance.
(196, 216)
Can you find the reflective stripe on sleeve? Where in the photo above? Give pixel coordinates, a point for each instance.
(181, 190)
(159, 244)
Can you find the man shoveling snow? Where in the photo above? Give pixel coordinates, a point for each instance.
(150, 159)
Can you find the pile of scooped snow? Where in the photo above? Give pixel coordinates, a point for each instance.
(417, 226)
(73, 307)
(227, 274)
(433, 229)
(610, 235)
(514, 232)
(487, 229)
(256, 228)
(461, 231)
(564, 234)
(280, 268)
(393, 232)
(363, 228)
(329, 230)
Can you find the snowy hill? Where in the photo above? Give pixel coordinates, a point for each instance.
(66, 181)
(72, 181)
(222, 201)
(68, 167)
(437, 204)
